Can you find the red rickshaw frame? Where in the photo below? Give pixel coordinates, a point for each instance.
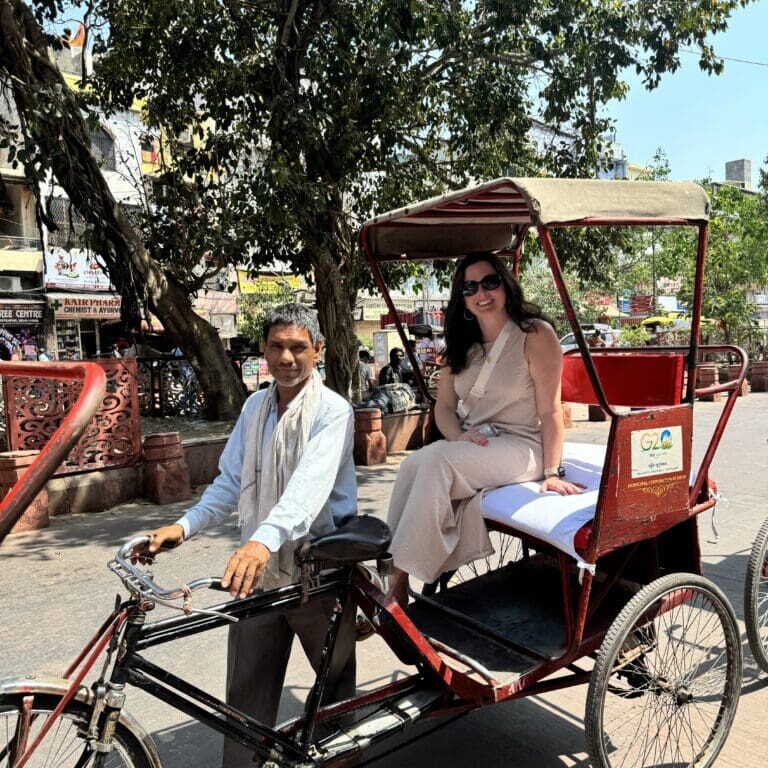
(508, 201)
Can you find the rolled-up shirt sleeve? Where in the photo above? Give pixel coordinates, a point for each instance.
(311, 483)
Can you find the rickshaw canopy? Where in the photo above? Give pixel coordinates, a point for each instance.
(493, 215)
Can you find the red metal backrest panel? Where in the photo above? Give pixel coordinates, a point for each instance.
(645, 478)
(635, 379)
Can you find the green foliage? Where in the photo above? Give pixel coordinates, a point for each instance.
(633, 337)
(539, 287)
(310, 116)
(359, 106)
(253, 307)
(736, 261)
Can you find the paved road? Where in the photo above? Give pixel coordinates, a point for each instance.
(55, 590)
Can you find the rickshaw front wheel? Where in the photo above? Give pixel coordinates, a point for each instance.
(756, 599)
(667, 678)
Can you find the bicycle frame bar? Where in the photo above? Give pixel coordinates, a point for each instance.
(63, 439)
(268, 742)
(93, 650)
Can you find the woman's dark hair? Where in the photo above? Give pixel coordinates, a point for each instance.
(461, 334)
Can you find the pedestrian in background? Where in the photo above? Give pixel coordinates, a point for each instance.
(393, 373)
(367, 381)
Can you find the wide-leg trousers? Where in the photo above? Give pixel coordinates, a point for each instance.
(435, 510)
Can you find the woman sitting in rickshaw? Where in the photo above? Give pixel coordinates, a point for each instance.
(498, 408)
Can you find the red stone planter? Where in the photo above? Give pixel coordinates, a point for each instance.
(733, 374)
(13, 464)
(707, 376)
(166, 474)
(370, 441)
(758, 376)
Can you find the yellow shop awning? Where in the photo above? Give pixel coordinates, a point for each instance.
(20, 261)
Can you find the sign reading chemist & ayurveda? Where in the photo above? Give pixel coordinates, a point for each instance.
(80, 306)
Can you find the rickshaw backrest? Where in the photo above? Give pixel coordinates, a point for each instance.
(638, 380)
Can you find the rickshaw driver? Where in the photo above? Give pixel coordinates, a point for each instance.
(288, 467)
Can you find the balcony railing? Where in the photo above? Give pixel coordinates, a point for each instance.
(14, 242)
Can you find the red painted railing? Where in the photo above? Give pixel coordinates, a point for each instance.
(55, 451)
(36, 406)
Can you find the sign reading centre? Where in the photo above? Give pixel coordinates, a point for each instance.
(78, 306)
(21, 313)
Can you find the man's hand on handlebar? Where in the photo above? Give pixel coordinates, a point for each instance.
(244, 569)
(167, 537)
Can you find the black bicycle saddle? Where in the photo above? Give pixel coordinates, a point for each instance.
(362, 538)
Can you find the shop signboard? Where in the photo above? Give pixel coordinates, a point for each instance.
(76, 268)
(267, 285)
(82, 306)
(21, 313)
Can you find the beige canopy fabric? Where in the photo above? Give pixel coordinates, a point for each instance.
(490, 216)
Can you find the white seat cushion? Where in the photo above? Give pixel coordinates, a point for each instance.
(549, 516)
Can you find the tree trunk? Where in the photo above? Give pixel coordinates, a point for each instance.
(336, 292)
(335, 307)
(54, 129)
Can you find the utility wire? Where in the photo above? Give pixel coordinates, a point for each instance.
(727, 58)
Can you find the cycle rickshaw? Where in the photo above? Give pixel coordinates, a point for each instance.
(606, 592)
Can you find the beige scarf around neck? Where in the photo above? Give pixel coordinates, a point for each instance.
(264, 477)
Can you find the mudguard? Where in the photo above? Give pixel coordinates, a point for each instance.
(58, 686)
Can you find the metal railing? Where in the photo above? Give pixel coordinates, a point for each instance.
(37, 405)
(169, 387)
(93, 382)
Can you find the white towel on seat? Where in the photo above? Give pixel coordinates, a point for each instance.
(548, 516)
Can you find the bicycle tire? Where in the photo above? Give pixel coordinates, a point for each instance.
(64, 745)
(660, 684)
(757, 579)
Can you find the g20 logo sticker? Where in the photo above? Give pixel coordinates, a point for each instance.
(654, 440)
(656, 451)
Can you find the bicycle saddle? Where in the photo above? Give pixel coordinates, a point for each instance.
(362, 538)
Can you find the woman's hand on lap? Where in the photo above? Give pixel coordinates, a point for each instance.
(473, 436)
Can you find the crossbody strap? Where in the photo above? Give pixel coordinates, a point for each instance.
(478, 388)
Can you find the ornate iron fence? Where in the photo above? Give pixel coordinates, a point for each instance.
(34, 408)
(168, 385)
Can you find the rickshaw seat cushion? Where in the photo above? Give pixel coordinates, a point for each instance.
(562, 521)
(636, 379)
(362, 538)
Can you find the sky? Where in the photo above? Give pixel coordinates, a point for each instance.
(703, 121)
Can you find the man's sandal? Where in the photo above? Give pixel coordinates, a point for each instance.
(363, 627)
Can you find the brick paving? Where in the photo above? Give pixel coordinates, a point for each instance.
(55, 591)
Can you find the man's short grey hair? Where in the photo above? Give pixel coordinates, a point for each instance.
(292, 314)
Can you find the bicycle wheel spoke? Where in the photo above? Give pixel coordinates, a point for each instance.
(668, 693)
(63, 745)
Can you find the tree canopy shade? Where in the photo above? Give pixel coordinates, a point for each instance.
(315, 114)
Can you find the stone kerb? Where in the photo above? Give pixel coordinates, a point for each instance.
(166, 474)
(13, 464)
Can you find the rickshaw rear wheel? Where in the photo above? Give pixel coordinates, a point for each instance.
(756, 599)
(666, 681)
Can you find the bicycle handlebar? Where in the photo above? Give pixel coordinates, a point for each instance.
(137, 581)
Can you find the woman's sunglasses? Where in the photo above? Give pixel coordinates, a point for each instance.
(488, 283)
